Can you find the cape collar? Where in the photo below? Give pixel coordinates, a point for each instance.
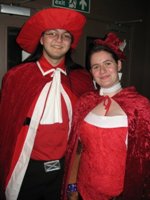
(110, 90)
(45, 67)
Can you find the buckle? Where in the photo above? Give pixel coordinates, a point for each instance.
(52, 165)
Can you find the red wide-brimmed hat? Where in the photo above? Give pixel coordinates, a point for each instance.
(114, 43)
(50, 18)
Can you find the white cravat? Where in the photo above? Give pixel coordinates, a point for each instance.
(52, 111)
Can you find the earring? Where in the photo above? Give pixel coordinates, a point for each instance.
(120, 75)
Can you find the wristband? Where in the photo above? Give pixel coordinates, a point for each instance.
(72, 187)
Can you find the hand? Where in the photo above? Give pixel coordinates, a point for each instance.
(72, 195)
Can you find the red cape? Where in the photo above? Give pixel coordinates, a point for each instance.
(20, 86)
(137, 109)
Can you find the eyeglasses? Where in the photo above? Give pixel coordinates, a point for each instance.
(65, 36)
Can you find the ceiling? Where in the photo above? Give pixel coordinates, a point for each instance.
(98, 11)
(35, 4)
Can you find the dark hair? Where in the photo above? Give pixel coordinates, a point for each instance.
(35, 55)
(93, 48)
(70, 64)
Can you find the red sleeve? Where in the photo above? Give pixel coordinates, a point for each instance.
(81, 81)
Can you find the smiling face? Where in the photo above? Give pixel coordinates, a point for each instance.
(56, 44)
(104, 68)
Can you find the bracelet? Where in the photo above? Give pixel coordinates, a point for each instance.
(72, 187)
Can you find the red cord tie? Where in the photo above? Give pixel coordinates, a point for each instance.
(107, 103)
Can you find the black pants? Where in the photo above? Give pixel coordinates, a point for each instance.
(41, 185)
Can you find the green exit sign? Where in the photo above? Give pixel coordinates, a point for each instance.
(79, 5)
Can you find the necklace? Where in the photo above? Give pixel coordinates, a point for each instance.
(109, 90)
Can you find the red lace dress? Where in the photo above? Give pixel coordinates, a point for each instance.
(102, 163)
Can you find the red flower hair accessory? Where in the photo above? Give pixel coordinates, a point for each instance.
(114, 43)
